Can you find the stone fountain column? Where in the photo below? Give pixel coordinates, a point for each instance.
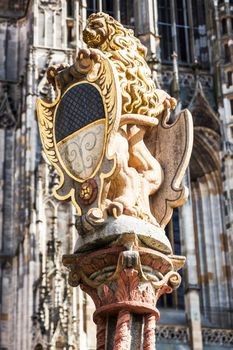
(121, 163)
(125, 271)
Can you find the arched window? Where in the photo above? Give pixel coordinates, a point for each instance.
(70, 8)
(229, 78)
(227, 54)
(182, 29)
(127, 13)
(224, 26)
(99, 5)
(231, 105)
(119, 9)
(165, 29)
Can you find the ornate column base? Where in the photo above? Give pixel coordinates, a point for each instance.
(125, 281)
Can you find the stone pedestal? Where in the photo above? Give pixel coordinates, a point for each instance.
(125, 271)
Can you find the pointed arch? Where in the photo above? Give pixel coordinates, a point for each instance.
(207, 136)
(206, 183)
(7, 117)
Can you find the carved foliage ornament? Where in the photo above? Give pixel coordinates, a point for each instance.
(134, 276)
(107, 132)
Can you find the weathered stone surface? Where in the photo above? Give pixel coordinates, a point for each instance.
(125, 282)
(152, 236)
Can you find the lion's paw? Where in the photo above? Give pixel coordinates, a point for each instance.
(89, 54)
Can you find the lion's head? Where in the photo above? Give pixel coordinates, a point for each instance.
(105, 33)
(139, 96)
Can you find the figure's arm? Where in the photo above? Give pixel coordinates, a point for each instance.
(138, 119)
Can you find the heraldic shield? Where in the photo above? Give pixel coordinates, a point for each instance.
(78, 128)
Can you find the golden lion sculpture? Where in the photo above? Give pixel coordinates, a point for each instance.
(139, 95)
(139, 186)
(139, 174)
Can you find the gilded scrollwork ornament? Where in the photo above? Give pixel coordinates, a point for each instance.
(76, 134)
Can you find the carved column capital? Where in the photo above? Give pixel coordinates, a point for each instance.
(123, 281)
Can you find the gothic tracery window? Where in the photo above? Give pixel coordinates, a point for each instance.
(182, 29)
(99, 5)
(165, 29)
(227, 53)
(70, 24)
(224, 26)
(70, 8)
(126, 8)
(229, 78)
(7, 118)
(127, 13)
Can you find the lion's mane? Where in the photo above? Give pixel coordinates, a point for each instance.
(128, 55)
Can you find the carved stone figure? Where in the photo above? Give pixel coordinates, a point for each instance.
(139, 174)
(121, 162)
(140, 111)
(139, 95)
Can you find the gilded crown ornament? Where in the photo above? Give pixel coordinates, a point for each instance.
(121, 162)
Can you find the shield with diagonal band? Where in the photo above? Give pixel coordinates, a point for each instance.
(75, 131)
